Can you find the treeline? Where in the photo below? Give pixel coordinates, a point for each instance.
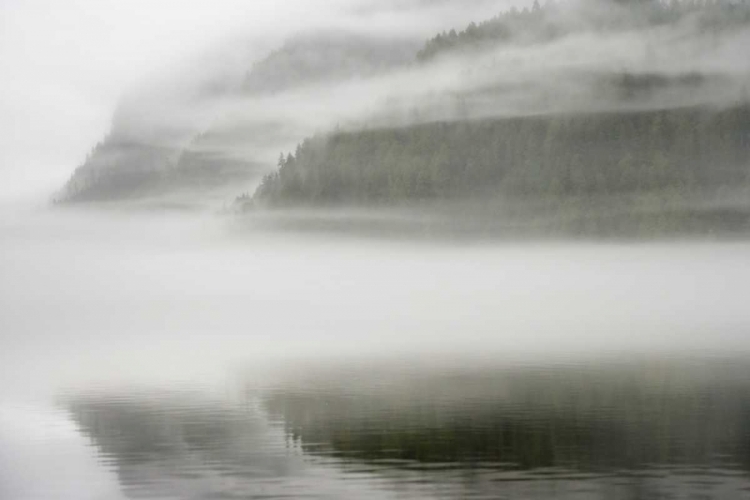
(116, 168)
(119, 170)
(619, 153)
(326, 56)
(120, 167)
(554, 20)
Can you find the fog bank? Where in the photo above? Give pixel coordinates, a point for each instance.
(68, 66)
(118, 296)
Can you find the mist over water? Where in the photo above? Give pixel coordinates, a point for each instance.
(508, 262)
(143, 319)
(184, 291)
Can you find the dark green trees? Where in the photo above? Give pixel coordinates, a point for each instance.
(557, 155)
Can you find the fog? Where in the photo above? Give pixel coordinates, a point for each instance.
(94, 296)
(125, 325)
(191, 99)
(131, 309)
(87, 292)
(166, 77)
(67, 67)
(563, 76)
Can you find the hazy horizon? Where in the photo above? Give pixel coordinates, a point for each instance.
(374, 249)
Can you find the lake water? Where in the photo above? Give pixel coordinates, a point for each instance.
(185, 355)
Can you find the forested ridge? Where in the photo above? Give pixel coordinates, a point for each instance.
(650, 156)
(550, 21)
(683, 149)
(324, 57)
(623, 133)
(132, 163)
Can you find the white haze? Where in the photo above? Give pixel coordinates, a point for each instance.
(548, 78)
(79, 69)
(67, 65)
(565, 75)
(91, 299)
(84, 293)
(95, 298)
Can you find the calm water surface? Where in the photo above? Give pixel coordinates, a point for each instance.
(177, 357)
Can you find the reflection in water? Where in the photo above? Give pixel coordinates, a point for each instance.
(95, 302)
(167, 445)
(183, 445)
(637, 430)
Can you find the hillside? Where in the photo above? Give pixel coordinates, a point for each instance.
(327, 57)
(553, 21)
(641, 148)
(625, 168)
(175, 151)
(578, 154)
(592, 105)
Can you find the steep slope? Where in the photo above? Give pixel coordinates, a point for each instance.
(179, 151)
(325, 57)
(642, 128)
(555, 21)
(578, 154)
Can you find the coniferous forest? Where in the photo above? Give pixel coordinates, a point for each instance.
(680, 161)
(685, 150)
(650, 138)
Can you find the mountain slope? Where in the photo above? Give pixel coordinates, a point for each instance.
(177, 152)
(624, 125)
